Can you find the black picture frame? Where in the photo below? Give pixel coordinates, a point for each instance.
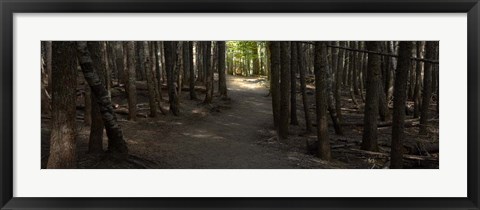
(9, 7)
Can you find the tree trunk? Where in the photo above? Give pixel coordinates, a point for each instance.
(383, 110)
(116, 143)
(129, 66)
(222, 80)
(140, 67)
(158, 69)
(209, 73)
(170, 57)
(418, 79)
(87, 115)
(119, 55)
(200, 62)
(179, 68)
(193, 94)
(46, 77)
(95, 144)
(293, 83)
(64, 84)
(150, 76)
(275, 81)
(331, 101)
(284, 89)
(399, 102)
(303, 87)
(427, 86)
(360, 67)
(369, 140)
(411, 84)
(321, 100)
(356, 63)
(338, 83)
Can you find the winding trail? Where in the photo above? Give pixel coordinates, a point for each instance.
(223, 140)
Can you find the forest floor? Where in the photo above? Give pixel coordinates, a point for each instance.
(238, 133)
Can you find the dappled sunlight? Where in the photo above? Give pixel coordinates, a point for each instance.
(249, 83)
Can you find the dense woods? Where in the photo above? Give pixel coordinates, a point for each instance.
(240, 104)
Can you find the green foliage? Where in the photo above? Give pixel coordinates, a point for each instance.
(244, 49)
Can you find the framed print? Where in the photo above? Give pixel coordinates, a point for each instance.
(239, 105)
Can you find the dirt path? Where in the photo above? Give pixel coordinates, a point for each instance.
(224, 139)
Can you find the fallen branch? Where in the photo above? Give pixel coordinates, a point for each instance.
(409, 157)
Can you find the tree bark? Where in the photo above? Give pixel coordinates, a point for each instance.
(418, 79)
(275, 81)
(369, 140)
(331, 101)
(208, 72)
(303, 88)
(95, 144)
(179, 68)
(120, 53)
(293, 83)
(399, 102)
(116, 143)
(170, 57)
(338, 83)
(222, 80)
(427, 87)
(284, 89)
(129, 66)
(321, 100)
(150, 76)
(64, 75)
(193, 94)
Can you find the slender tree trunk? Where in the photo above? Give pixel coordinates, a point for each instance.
(222, 80)
(178, 71)
(383, 110)
(346, 65)
(170, 57)
(275, 81)
(411, 84)
(293, 83)
(427, 86)
(106, 72)
(360, 66)
(64, 84)
(303, 88)
(157, 77)
(352, 75)
(116, 143)
(129, 66)
(284, 89)
(369, 140)
(119, 53)
(193, 94)
(158, 69)
(418, 79)
(209, 73)
(163, 70)
(95, 144)
(200, 62)
(355, 69)
(338, 83)
(140, 67)
(87, 116)
(399, 102)
(321, 100)
(393, 68)
(150, 76)
(331, 102)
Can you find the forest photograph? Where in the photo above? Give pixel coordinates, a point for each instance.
(208, 104)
